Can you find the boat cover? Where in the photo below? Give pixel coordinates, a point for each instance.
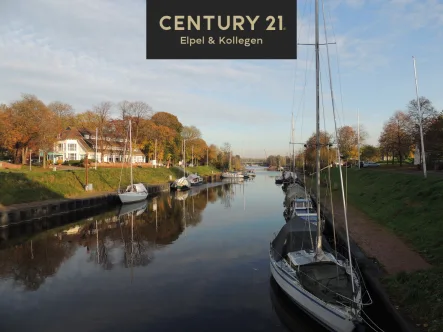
(296, 235)
(324, 279)
(181, 182)
(293, 192)
(137, 188)
(327, 281)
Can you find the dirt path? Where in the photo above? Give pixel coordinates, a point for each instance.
(377, 241)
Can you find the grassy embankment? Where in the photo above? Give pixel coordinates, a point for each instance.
(22, 186)
(412, 208)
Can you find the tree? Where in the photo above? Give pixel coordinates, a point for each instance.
(327, 154)
(427, 114)
(396, 136)
(102, 114)
(136, 111)
(190, 132)
(370, 153)
(433, 139)
(64, 112)
(212, 153)
(348, 140)
(26, 116)
(168, 120)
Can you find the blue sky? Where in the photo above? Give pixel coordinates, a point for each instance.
(84, 52)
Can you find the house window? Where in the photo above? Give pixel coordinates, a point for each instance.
(71, 156)
(72, 147)
(87, 136)
(60, 147)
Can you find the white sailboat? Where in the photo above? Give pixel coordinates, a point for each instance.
(135, 192)
(323, 283)
(182, 183)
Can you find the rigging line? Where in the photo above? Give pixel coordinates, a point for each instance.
(338, 62)
(296, 62)
(123, 163)
(377, 328)
(338, 151)
(302, 99)
(329, 185)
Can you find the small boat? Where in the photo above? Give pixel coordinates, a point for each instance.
(249, 173)
(232, 175)
(195, 180)
(135, 192)
(181, 184)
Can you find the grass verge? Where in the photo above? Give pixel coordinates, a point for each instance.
(29, 186)
(412, 208)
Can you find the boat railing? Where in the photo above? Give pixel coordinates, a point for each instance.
(351, 303)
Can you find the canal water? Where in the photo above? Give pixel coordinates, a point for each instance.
(192, 261)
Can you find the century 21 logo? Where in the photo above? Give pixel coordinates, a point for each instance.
(234, 22)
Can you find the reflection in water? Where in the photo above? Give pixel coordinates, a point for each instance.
(134, 269)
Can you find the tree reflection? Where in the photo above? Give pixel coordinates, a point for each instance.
(110, 240)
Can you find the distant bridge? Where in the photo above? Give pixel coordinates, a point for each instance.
(254, 161)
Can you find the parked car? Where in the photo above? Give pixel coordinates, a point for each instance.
(369, 164)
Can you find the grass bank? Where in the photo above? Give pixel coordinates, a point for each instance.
(37, 185)
(412, 208)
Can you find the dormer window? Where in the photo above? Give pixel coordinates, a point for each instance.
(93, 137)
(87, 136)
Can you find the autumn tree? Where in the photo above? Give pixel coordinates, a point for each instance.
(171, 121)
(26, 116)
(168, 120)
(397, 136)
(212, 153)
(136, 111)
(348, 140)
(190, 133)
(198, 148)
(102, 112)
(327, 153)
(6, 128)
(63, 112)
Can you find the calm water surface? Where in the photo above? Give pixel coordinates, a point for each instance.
(196, 261)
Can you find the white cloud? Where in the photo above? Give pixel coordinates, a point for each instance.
(83, 52)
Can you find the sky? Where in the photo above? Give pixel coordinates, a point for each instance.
(84, 52)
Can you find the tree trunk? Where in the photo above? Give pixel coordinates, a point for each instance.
(23, 156)
(44, 159)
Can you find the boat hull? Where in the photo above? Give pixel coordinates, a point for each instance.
(131, 197)
(326, 316)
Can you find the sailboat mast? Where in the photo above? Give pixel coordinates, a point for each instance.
(184, 158)
(358, 136)
(292, 141)
(317, 108)
(420, 115)
(130, 148)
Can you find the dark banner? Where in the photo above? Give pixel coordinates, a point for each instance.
(227, 29)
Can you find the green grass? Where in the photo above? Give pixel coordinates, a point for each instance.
(25, 186)
(202, 170)
(412, 208)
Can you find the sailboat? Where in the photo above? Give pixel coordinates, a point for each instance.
(135, 192)
(323, 283)
(231, 174)
(182, 183)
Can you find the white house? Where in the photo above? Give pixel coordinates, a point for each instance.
(75, 144)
